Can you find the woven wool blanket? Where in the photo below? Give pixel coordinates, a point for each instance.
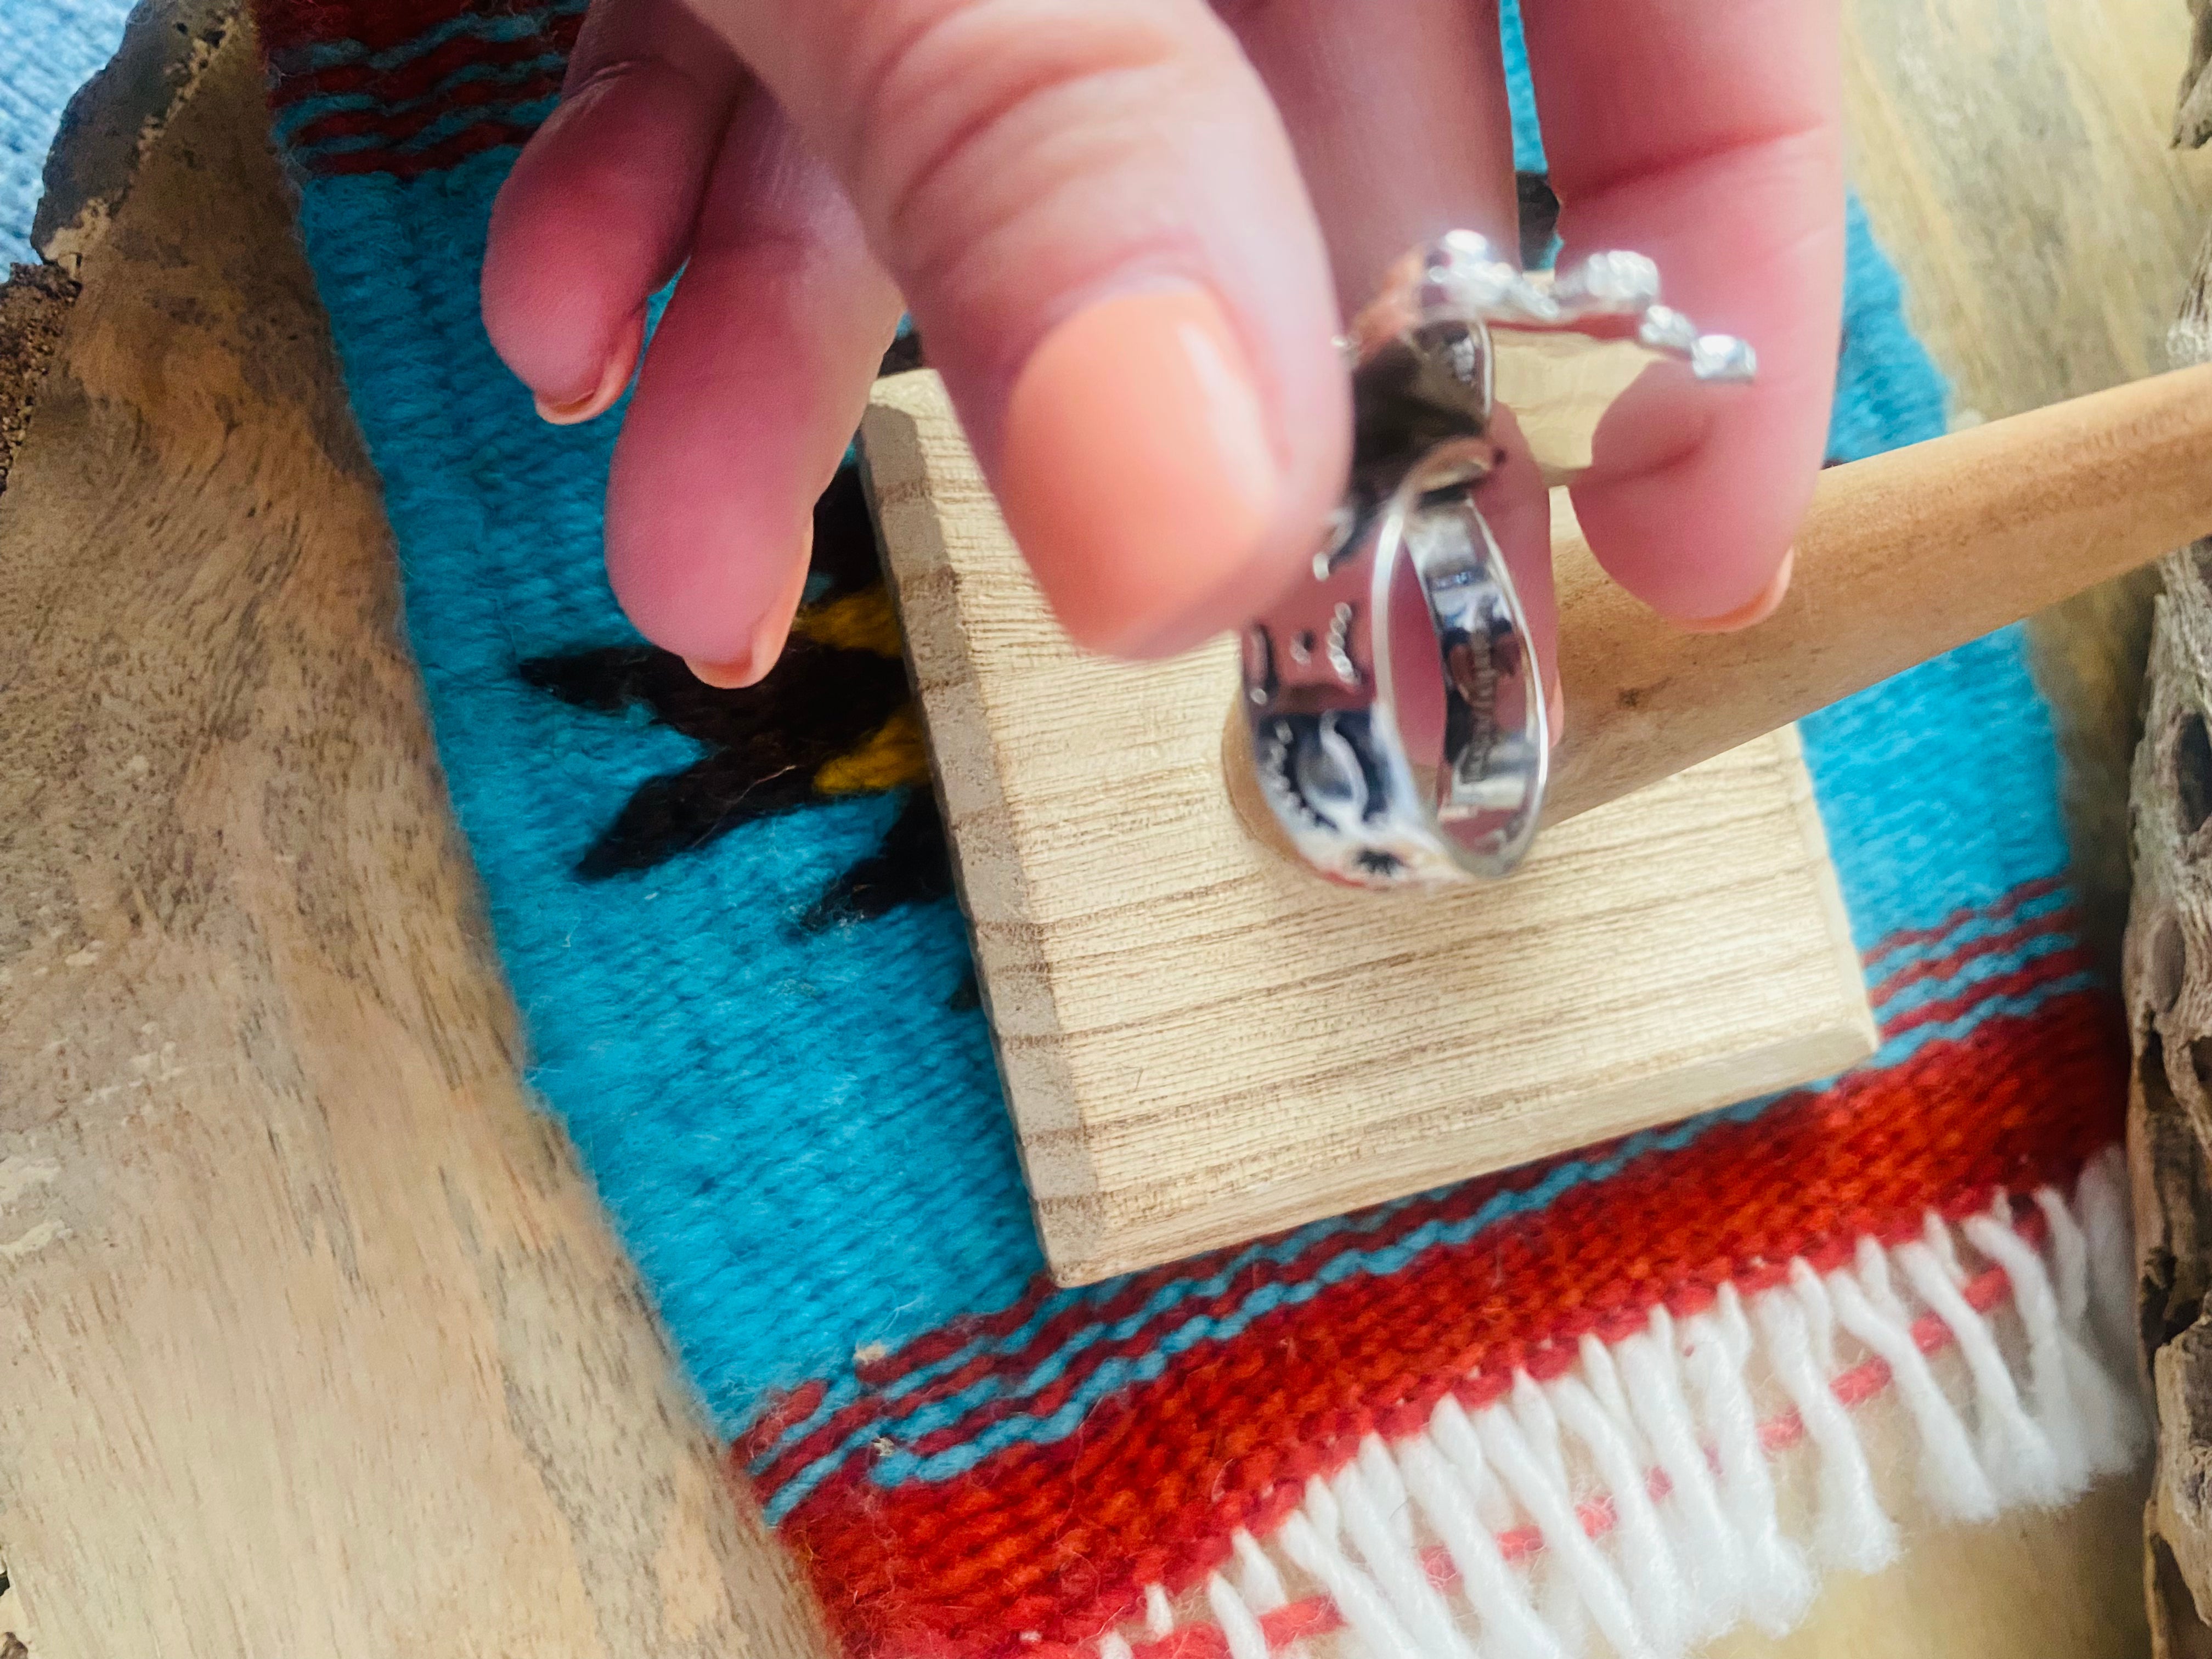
(1619, 1399)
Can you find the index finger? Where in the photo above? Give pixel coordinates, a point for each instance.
(1705, 134)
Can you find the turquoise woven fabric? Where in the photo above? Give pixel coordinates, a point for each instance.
(742, 1089)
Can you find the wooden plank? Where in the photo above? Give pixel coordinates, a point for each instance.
(316, 1343)
(1201, 1043)
(32, 303)
(2169, 991)
(106, 132)
(2168, 985)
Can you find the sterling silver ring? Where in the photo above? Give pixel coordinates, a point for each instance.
(1327, 714)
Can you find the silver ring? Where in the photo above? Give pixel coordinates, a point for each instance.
(1326, 717)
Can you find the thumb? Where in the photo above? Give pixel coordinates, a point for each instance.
(1095, 216)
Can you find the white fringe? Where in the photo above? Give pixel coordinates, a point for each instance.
(1646, 1471)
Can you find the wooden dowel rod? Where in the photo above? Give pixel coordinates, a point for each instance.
(1901, 557)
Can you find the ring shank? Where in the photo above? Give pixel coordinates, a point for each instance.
(1323, 679)
(1326, 712)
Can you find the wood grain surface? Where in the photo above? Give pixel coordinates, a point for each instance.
(2169, 993)
(1201, 1043)
(315, 1342)
(2167, 983)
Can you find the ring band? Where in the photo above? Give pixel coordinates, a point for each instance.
(1327, 717)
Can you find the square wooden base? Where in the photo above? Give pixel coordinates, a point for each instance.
(1201, 1044)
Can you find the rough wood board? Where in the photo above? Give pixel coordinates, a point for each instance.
(118, 116)
(2169, 991)
(110, 124)
(2168, 984)
(1201, 1043)
(32, 303)
(315, 1341)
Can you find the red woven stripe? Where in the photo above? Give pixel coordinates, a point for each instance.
(287, 26)
(1138, 1289)
(1060, 1539)
(2056, 924)
(938, 1344)
(421, 76)
(2032, 976)
(2026, 893)
(1319, 1615)
(794, 1407)
(397, 127)
(1456, 1204)
(1134, 1291)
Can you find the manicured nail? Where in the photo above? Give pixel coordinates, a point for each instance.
(1555, 708)
(1758, 610)
(1136, 473)
(601, 398)
(770, 633)
(725, 675)
(755, 665)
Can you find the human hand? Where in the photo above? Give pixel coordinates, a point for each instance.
(1129, 230)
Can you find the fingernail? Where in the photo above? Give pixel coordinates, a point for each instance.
(1555, 708)
(1136, 472)
(612, 379)
(770, 636)
(755, 665)
(1758, 610)
(725, 675)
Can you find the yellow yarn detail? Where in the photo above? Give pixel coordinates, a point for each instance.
(859, 622)
(893, 754)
